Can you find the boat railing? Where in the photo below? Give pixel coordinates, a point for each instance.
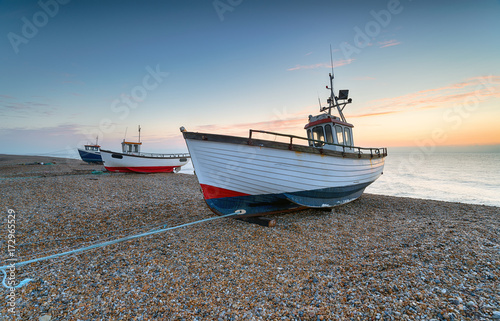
(180, 155)
(374, 152)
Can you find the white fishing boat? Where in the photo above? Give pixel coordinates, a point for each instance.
(131, 159)
(255, 177)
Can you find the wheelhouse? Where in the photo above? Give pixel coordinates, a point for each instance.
(328, 131)
(92, 148)
(131, 147)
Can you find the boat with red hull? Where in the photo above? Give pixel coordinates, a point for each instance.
(255, 177)
(132, 160)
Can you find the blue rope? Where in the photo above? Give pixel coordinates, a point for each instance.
(91, 247)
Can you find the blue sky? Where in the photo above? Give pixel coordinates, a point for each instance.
(72, 70)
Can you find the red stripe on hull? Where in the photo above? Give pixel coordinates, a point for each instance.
(142, 169)
(210, 191)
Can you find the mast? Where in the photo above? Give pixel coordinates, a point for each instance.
(333, 101)
(139, 133)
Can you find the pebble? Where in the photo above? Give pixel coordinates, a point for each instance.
(471, 304)
(379, 257)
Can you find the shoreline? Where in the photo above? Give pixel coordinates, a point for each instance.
(376, 257)
(77, 165)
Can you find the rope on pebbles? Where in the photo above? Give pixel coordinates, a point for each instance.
(13, 266)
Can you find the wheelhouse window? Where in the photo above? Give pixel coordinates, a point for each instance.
(318, 134)
(328, 134)
(310, 137)
(340, 134)
(348, 137)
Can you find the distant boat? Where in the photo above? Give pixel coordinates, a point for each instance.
(255, 177)
(131, 160)
(91, 153)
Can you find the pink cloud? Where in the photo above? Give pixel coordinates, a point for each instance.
(442, 97)
(271, 125)
(281, 121)
(389, 43)
(337, 63)
(373, 114)
(479, 87)
(321, 65)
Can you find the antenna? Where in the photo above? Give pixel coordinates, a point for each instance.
(332, 100)
(331, 59)
(139, 133)
(319, 101)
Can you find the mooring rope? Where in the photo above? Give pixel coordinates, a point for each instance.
(13, 266)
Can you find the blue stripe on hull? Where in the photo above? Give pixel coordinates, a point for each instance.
(258, 205)
(90, 157)
(254, 205)
(328, 197)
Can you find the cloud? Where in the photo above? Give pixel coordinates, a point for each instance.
(474, 88)
(271, 125)
(25, 108)
(338, 63)
(388, 43)
(441, 97)
(298, 67)
(43, 140)
(373, 114)
(281, 120)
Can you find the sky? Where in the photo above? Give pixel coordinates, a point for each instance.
(421, 73)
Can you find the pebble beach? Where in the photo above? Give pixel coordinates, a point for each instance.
(377, 258)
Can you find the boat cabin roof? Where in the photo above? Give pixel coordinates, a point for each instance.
(92, 145)
(325, 118)
(131, 143)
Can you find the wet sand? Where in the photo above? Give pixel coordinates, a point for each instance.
(379, 257)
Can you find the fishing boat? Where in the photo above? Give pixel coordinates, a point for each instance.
(132, 160)
(254, 176)
(91, 153)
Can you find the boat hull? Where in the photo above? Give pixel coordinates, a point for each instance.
(126, 163)
(262, 177)
(90, 156)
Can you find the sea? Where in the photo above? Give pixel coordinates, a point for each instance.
(472, 178)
